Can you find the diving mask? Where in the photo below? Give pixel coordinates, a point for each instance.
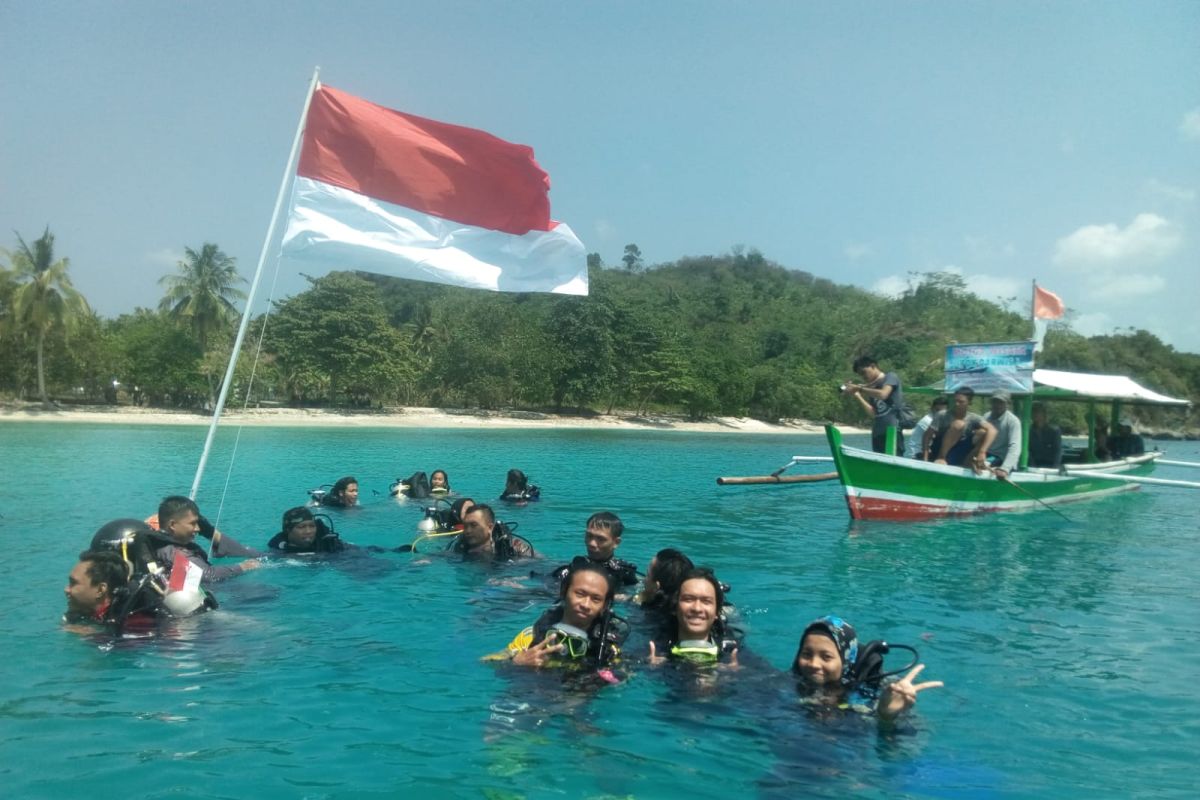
(698, 651)
(574, 640)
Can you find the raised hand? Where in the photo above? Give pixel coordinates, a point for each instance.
(655, 658)
(539, 654)
(902, 695)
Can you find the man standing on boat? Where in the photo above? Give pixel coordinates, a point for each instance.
(880, 395)
(1005, 450)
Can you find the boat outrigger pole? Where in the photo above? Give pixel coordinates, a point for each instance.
(262, 258)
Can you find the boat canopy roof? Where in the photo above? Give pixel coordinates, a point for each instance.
(1053, 384)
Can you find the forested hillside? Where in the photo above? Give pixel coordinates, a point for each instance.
(732, 335)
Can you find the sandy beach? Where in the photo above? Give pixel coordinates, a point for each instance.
(406, 417)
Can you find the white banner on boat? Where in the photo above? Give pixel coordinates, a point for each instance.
(990, 367)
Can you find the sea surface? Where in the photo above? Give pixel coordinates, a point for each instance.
(1070, 648)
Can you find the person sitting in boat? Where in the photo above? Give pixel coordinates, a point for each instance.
(302, 532)
(832, 673)
(881, 396)
(344, 494)
(485, 539)
(1101, 447)
(1126, 443)
(697, 630)
(178, 523)
(602, 536)
(439, 482)
(581, 631)
(959, 437)
(1004, 452)
(1045, 440)
(98, 593)
(912, 447)
(518, 489)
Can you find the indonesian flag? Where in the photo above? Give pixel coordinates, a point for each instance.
(1046, 305)
(388, 192)
(184, 574)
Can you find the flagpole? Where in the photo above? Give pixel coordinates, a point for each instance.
(262, 258)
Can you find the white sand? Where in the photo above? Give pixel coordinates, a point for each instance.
(402, 418)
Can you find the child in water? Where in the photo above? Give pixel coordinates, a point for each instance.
(828, 666)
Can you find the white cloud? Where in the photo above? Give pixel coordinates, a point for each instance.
(1159, 189)
(1147, 240)
(166, 257)
(1121, 285)
(891, 286)
(1189, 128)
(856, 250)
(1094, 324)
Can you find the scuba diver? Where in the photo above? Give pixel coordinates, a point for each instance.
(302, 532)
(580, 631)
(696, 630)
(484, 539)
(518, 490)
(415, 486)
(601, 537)
(99, 592)
(344, 494)
(833, 672)
(179, 521)
(439, 482)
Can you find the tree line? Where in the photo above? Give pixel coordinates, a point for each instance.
(728, 335)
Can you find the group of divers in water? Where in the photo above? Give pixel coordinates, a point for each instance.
(138, 571)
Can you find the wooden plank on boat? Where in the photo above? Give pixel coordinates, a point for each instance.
(760, 479)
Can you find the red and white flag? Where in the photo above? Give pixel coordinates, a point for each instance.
(388, 192)
(1046, 305)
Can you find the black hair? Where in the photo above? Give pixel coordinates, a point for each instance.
(433, 475)
(107, 567)
(607, 521)
(670, 567)
(940, 400)
(515, 482)
(699, 573)
(584, 565)
(456, 509)
(171, 507)
(339, 488)
(489, 515)
(966, 391)
(294, 516)
(864, 361)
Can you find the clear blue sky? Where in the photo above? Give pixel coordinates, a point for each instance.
(858, 141)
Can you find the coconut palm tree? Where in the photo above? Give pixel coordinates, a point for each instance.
(203, 292)
(44, 298)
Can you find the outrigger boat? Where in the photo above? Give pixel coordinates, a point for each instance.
(880, 486)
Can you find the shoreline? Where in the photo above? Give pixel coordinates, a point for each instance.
(408, 417)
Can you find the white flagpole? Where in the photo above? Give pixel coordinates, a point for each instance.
(262, 258)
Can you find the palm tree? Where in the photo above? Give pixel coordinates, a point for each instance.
(44, 298)
(203, 292)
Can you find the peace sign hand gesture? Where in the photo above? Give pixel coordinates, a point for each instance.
(902, 695)
(539, 654)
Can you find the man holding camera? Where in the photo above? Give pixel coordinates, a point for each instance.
(880, 395)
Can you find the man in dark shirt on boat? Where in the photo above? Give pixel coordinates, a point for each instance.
(1126, 443)
(483, 539)
(881, 396)
(1045, 440)
(959, 437)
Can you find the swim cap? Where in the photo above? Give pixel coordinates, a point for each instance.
(844, 638)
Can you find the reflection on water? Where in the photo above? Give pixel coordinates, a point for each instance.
(1067, 647)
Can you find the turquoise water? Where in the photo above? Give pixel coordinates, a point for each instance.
(1069, 648)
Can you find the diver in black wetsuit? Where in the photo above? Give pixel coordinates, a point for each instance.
(301, 532)
(601, 538)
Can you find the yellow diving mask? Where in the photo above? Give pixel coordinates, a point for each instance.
(697, 651)
(575, 641)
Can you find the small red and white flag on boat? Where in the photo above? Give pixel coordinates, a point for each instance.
(1046, 305)
(388, 192)
(185, 576)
